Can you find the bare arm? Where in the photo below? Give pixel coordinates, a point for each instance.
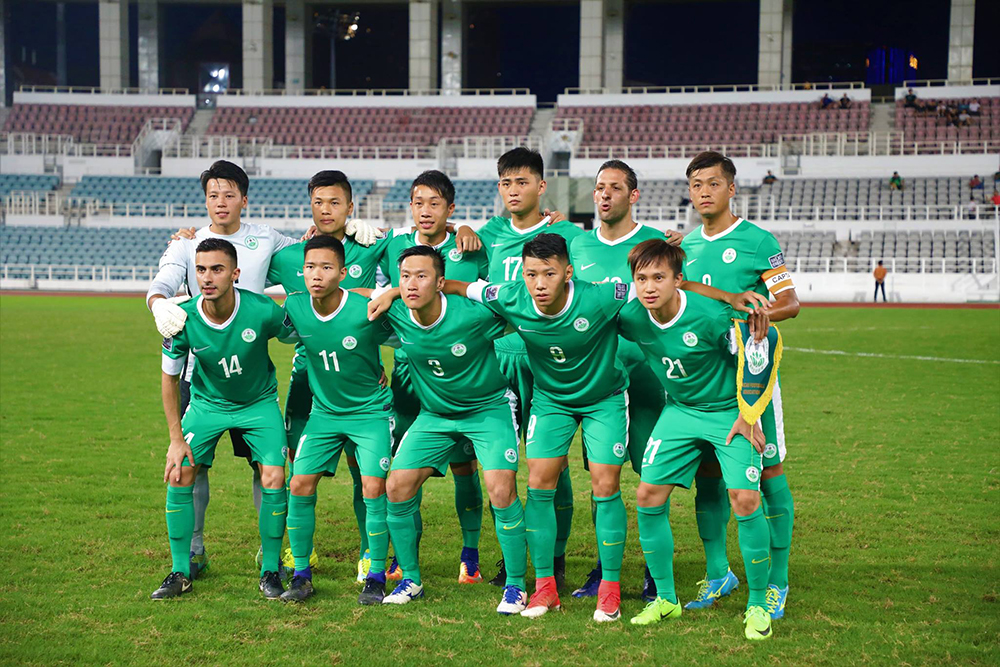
(744, 302)
(170, 392)
(785, 306)
(456, 287)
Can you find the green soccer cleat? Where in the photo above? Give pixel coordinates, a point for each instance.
(758, 623)
(364, 566)
(656, 611)
(288, 561)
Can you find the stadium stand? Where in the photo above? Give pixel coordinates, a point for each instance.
(929, 125)
(86, 246)
(380, 126)
(90, 124)
(467, 194)
(19, 182)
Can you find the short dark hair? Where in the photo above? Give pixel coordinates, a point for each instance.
(325, 179)
(223, 170)
(323, 242)
(656, 251)
(631, 180)
(710, 159)
(424, 251)
(521, 158)
(222, 245)
(546, 246)
(880, 262)
(438, 182)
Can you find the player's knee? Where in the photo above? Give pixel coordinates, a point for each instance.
(501, 487)
(372, 487)
(744, 501)
(272, 477)
(399, 487)
(302, 485)
(773, 471)
(651, 495)
(605, 480)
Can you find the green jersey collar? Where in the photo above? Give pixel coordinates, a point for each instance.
(220, 327)
(327, 318)
(722, 233)
(529, 230)
(680, 311)
(635, 230)
(569, 302)
(444, 309)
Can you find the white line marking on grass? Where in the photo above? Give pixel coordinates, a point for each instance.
(876, 355)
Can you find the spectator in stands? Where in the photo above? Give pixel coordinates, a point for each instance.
(770, 178)
(942, 109)
(826, 101)
(976, 183)
(962, 119)
(879, 274)
(896, 182)
(845, 102)
(972, 208)
(911, 99)
(996, 198)
(996, 178)
(974, 108)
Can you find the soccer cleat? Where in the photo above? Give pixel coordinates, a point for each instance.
(514, 601)
(501, 579)
(609, 599)
(373, 593)
(656, 611)
(300, 589)
(364, 566)
(712, 590)
(270, 585)
(775, 598)
(648, 587)
(175, 585)
(559, 571)
(589, 589)
(757, 623)
(405, 591)
(545, 598)
(199, 564)
(394, 572)
(468, 568)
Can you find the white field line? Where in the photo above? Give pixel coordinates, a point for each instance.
(909, 357)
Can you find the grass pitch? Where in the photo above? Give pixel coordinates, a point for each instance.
(894, 463)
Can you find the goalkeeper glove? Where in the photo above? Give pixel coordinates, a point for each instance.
(169, 316)
(362, 232)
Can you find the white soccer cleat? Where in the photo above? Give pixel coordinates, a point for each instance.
(405, 591)
(169, 316)
(514, 601)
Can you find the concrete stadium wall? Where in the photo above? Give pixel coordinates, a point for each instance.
(105, 99)
(741, 97)
(396, 101)
(899, 287)
(882, 166)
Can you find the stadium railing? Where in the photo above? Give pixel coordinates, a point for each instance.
(381, 92)
(943, 83)
(765, 209)
(676, 151)
(722, 88)
(96, 90)
(852, 144)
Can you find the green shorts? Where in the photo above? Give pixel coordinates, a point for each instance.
(551, 428)
(407, 406)
(680, 438)
(514, 366)
(432, 439)
(368, 437)
(772, 422)
(259, 423)
(646, 400)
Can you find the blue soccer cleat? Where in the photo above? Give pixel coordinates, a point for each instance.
(405, 591)
(712, 590)
(775, 598)
(648, 587)
(591, 586)
(198, 564)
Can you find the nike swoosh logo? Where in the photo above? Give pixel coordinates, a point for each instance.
(520, 328)
(196, 350)
(691, 262)
(613, 544)
(293, 527)
(587, 266)
(305, 335)
(758, 562)
(299, 273)
(530, 530)
(370, 534)
(649, 552)
(276, 513)
(560, 508)
(473, 509)
(774, 516)
(172, 511)
(514, 526)
(496, 245)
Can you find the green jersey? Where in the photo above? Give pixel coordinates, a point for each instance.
(232, 367)
(597, 260)
(361, 262)
(503, 242)
(468, 266)
(572, 354)
(342, 354)
(692, 354)
(452, 364)
(744, 257)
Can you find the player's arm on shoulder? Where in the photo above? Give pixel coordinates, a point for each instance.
(744, 302)
(172, 365)
(466, 239)
(380, 300)
(279, 324)
(279, 241)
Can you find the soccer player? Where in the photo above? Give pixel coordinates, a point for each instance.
(521, 185)
(687, 338)
(464, 398)
(570, 332)
(339, 348)
(733, 254)
(432, 201)
(233, 387)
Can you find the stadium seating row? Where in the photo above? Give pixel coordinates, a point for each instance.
(90, 124)
(19, 182)
(929, 125)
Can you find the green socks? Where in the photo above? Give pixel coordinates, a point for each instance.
(469, 506)
(779, 510)
(657, 540)
(711, 511)
(564, 511)
(301, 528)
(180, 526)
(402, 521)
(360, 508)
(273, 508)
(611, 528)
(755, 541)
(378, 532)
(513, 545)
(540, 526)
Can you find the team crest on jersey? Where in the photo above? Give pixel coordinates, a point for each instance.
(756, 355)
(349, 342)
(468, 449)
(619, 450)
(455, 255)
(252, 242)
(492, 292)
(284, 452)
(770, 450)
(729, 256)
(458, 349)
(690, 338)
(354, 271)
(384, 464)
(581, 324)
(510, 455)
(776, 260)
(753, 474)
(249, 335)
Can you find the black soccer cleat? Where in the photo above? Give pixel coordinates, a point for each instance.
(559, 571)
(175, 585)
(270, 585)
(300, 589)
(373, 593)
(501, 579)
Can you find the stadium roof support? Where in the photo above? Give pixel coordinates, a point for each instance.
(423, 44)
(960, 38)
(774, 55)
(149, 45)
(258, 45)
(112, 20)
(602, 44)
